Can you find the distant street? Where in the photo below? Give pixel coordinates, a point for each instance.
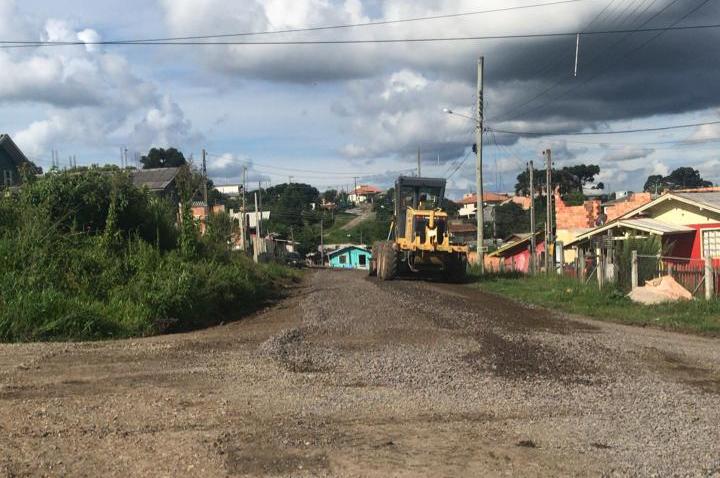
(350, 376)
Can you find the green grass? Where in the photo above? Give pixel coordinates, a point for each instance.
(337, 235)
(567, 295)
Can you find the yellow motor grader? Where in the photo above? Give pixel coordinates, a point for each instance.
(419, 239)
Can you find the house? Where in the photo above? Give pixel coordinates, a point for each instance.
(468, 204)
(515, 254)
(523, 201)
(200, 212)
(351, 257)
(363, 193)
(159, 181)
(462, 233)
(686, 221)
(12, 161)
(573, 221)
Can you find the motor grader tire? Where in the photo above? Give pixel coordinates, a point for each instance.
(375, 259)
(388, 265)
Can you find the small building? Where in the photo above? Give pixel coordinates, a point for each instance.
(468, 204)
(200, 212)
(462, 233)
(515, 254)
(363, 193)
(574, 221)
(159, 181)
(687, 221)
(351, 257)
(11, 162)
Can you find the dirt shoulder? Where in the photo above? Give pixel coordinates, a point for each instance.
(354, 377)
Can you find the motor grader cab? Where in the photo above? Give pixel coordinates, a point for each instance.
(419, 239)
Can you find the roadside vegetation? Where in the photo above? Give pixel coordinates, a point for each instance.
(86, 255)
(611, 304)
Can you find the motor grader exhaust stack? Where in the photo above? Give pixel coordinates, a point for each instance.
(419, 238)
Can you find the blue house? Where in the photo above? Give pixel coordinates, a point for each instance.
(350, 257)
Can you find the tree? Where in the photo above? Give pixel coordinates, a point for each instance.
(654, 183)
(681, 178)
(686, 177)
(570, 179)
(163, 158)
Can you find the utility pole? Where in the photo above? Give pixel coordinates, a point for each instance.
(533, 245)
(125, 151)
(549, 260)
(322, 245)
(355, 195)
(259, 224)
(256, 242)
(418, 161)
(205, 191)
(478, 165)
(243, 220)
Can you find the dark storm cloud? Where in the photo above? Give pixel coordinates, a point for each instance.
(620, 76)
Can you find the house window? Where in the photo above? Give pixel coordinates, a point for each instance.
(7, 177)
(711, 243)
(363, 260)
(343, 259)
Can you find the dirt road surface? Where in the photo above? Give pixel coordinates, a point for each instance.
(353, 377)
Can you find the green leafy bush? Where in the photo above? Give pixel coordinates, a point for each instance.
(73, 270)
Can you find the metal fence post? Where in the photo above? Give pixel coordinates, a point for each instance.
(560, 257)
(634, 269)
(709, 279)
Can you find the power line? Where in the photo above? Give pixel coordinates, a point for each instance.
(355, 25)
(16, 44)
(660, 32)
(588, 133)
(519, 108)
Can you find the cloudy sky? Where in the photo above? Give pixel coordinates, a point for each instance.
(325, 113)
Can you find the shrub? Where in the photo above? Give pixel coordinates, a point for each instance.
(73, 270)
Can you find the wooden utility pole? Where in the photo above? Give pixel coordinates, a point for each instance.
(243, 219)
(418, 161)
(205, 180)
(533, 245)
(259, 224)
(549, 259)
(322, 244)
(478, 165)
(256, 242)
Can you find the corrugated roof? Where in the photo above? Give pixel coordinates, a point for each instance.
(487, 197)
(707, 198)
(523, 239)
(15, 153)
(652, 226)
(155, 179)
(455, 228)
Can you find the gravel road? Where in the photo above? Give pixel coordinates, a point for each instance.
(353, 377)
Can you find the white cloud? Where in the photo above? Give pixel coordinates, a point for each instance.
(91, 97)
(403, 111)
